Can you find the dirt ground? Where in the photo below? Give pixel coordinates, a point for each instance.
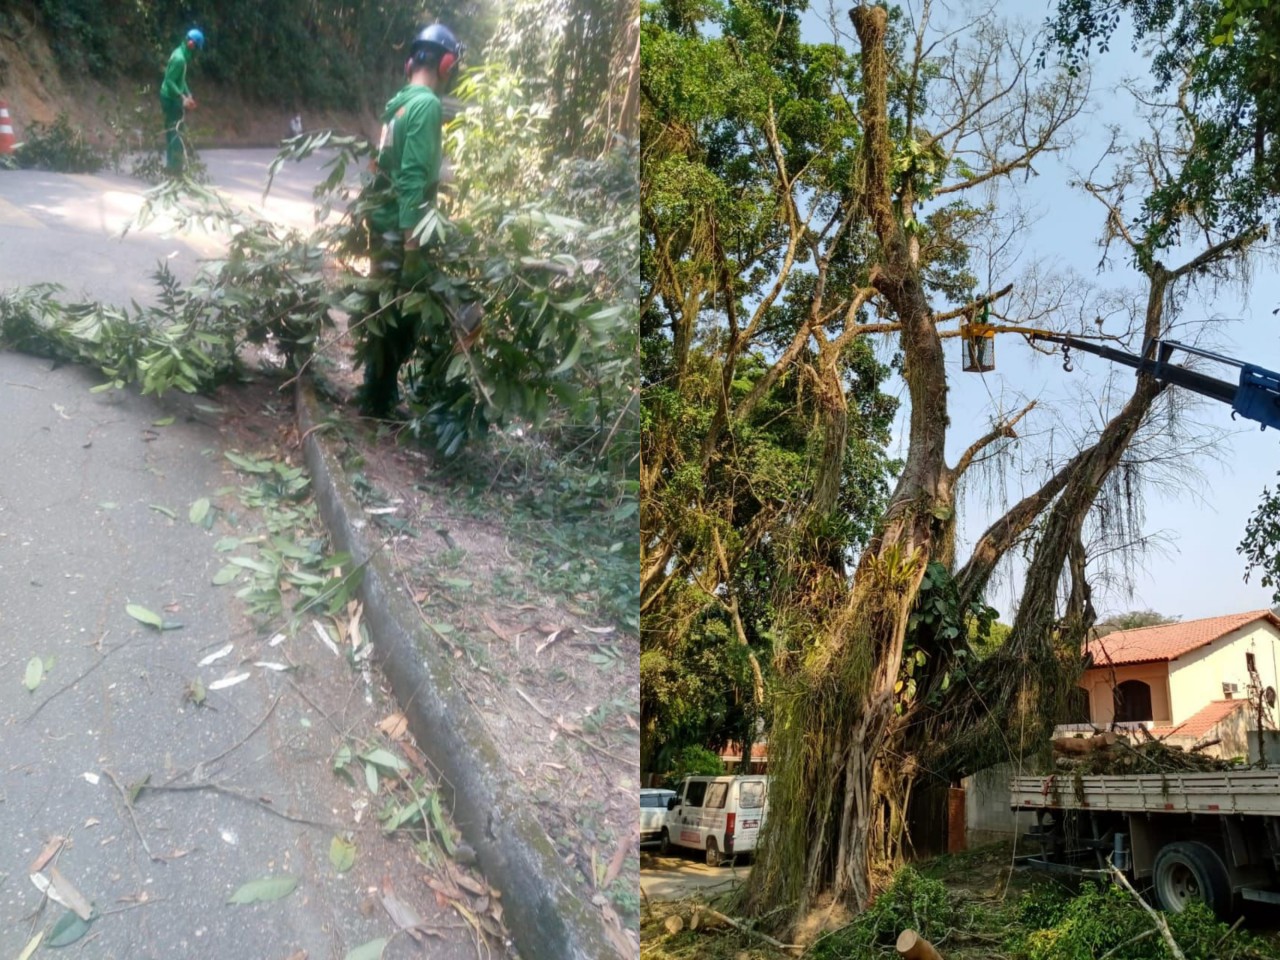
(361, 715)
(554, 682)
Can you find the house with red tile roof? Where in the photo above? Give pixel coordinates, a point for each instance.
(732, 758)
(1186, 683)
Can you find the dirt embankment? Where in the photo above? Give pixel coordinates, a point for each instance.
(37, 88)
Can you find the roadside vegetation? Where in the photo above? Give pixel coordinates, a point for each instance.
(970, 908)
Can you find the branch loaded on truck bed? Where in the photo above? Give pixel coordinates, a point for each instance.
(1254, 792)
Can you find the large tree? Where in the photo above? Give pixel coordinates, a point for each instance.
(746, 357)
(862, 228)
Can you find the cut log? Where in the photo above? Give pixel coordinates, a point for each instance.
(1099, 741)
(673, 924)
(912, 946)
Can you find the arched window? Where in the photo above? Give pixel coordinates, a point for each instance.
(1133, 701)
(1078, 706)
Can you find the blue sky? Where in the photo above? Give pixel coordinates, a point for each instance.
(1194, 571)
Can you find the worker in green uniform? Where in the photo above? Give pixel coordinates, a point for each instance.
(408, 163)
(176, 99)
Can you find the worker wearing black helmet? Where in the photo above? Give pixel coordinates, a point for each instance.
(409, 164)
(176, 99)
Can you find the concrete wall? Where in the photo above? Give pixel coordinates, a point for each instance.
(1102, 705)
(1272, 743)
(986, 806)
(1197, 678)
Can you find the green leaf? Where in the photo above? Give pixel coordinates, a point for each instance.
(35, 673)
(442, 828)
(165, 510)
(226, 575)
(247, 465)
(368, 951)
(143, 615)
(265, 890)
(385, 759)
(341, 758)
(371, 778)
(406, 814)
(67, 930)
(250, 564)
(199, 510)
(163, 422)
(570, 359)
(342, 854)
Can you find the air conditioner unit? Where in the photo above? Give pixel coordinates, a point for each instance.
(1229, 690)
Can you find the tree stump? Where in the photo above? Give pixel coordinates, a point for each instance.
(912, 946)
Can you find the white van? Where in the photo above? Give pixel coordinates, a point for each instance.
(721, 815)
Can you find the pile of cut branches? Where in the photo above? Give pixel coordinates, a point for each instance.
(1112, 754)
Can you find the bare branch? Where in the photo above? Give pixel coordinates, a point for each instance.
(1000, 431)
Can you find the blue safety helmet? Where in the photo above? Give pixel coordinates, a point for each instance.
(438, 36)
(195, 38)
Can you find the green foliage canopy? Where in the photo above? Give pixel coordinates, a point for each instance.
(1221, 58)
(739, 118)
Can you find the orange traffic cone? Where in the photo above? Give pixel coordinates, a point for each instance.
(6, 129)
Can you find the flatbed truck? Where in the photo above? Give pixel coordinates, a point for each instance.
(1212, 837)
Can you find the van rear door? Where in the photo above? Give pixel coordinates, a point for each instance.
(751, 806)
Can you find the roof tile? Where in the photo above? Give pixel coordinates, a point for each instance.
(1168, 641)
(1202, 721)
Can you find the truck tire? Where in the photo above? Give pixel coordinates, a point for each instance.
(665, 849)
(713, 853)
(1189, 870)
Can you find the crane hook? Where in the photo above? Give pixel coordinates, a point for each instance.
(1066, 359)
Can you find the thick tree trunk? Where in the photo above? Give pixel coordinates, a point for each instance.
(827, 794)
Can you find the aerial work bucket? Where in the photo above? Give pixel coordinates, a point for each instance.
(979, 343)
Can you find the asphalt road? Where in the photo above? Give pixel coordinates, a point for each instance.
(675, 878)
(66, 228)
(81, 474)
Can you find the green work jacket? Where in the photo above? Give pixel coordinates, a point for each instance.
(175, 86)
(410, 157)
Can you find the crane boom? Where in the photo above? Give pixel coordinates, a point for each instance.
(1256, 396)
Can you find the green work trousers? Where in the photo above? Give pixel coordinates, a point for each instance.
(174, 152)
(386, 352)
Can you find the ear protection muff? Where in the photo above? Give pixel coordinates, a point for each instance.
(447, 63)
(191, 44)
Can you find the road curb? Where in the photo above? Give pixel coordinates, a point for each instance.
(546, 917)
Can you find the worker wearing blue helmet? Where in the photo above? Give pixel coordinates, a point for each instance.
(408, 163)
(176, 99)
